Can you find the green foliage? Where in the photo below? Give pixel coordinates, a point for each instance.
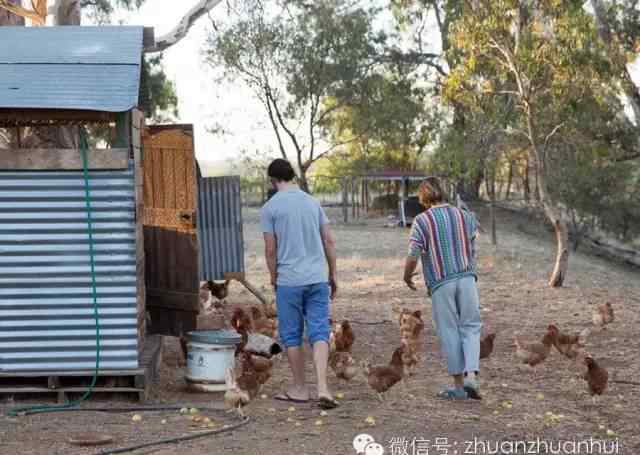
(157, 93)
(295, 58)
(100, 11)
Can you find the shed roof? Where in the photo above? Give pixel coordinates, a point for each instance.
(70, 67)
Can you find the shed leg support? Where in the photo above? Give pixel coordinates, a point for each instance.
(240, 278)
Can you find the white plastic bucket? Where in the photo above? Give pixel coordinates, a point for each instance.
(209, 354)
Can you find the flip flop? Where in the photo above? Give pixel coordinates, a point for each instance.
(472, 393)
(287, 398)
(327, 403)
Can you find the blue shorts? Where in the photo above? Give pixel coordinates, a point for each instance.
(299, 304)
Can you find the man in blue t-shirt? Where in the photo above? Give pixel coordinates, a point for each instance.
(298, 247)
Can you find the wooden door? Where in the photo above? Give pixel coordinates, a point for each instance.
(170, 241)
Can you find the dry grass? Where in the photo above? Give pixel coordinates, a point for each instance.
(515, 299)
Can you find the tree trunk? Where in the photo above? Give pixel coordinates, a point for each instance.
(303, 183)
(509, 179)
(562, 254)
(525, 182)
(67, 12)
(7, 18)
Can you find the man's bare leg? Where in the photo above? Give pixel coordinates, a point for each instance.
(298, 390)
(321, 360)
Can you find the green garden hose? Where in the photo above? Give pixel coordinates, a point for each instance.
(39, 409)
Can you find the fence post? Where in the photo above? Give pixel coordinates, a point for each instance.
(353, 198)
(492, 214)
(345, 201)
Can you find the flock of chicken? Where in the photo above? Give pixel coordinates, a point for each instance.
(252, 371)
(571, 346)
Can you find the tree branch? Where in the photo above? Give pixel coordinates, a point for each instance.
(267, 103)
(552, 133)
(34, 16)
(185, 24)
(283, 124)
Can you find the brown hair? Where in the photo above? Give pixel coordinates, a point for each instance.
(430, 192)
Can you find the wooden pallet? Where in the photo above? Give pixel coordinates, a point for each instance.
(72, 384)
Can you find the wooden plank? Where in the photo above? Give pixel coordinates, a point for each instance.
(28, 117)
(171, 299)
(148, 38)
(71, 373)
(9, 390)
(123, 129)
(66, 159)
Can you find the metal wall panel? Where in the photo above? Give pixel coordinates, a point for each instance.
(111, 44)
(70, 67)
(110, 88)
(219, 220)
(46, 306)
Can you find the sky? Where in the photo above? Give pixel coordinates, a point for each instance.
(203, 101)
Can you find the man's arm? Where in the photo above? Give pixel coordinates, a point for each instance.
(271, 255)
(409, 271)
(330, 252)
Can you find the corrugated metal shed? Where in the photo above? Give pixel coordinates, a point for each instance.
(87, 68)
(46, 309)
(219, 219)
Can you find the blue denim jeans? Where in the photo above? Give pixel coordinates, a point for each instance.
(298, 305)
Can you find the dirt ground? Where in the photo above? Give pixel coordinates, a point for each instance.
(517, 407)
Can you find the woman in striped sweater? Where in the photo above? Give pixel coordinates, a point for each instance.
(443, 238)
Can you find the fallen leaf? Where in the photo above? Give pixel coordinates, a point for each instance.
(370, 421)
(540, 396)
(340, 396)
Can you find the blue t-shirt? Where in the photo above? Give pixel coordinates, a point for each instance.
(295, 218)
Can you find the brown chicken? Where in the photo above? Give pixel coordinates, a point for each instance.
(411, 323)
(568, 345)
(242, 323)
(596, 376)
(382, 378)
(260, 365)
(263, 325)
(486, 345)
(603, 315)
(342, 337)
(343, 365)
(411, 330)
(534, 354)
(244, 388)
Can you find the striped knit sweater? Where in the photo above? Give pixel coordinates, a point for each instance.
(444, 238)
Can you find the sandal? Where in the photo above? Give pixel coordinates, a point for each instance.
(453, 394)
(327, 403)
(289, 399)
